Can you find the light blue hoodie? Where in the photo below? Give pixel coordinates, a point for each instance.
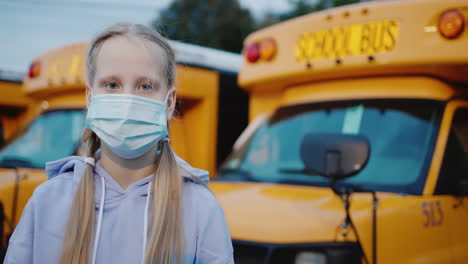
(39, 235)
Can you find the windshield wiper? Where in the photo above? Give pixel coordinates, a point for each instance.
(229, 174)
(15, 162)
(302, 182)
(296, 171)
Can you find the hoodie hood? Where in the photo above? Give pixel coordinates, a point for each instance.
(114, 193)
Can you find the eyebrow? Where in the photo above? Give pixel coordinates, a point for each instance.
(105, 79)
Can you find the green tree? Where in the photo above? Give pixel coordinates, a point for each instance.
(345, 2)
(221, 24)
(302, 7)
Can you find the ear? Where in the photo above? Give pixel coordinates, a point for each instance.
(171, 102)
(88, 94)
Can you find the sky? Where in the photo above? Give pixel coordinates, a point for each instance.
(29, 28)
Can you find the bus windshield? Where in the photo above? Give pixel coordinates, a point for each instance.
(53, 135)
(401, 133)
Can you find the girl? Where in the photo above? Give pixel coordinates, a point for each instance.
(104, 208)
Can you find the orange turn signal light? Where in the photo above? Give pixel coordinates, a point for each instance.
(34, 70)
(267, 49)
(264, 50)
(451, 24)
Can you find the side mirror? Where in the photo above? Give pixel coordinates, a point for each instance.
(335, 156)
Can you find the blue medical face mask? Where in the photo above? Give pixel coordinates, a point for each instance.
(128, 124)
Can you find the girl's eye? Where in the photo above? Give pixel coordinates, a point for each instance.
(145, 87)
(112, 86)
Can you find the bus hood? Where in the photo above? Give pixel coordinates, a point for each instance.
(276, 213)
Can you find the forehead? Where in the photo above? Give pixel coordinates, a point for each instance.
(130, 55)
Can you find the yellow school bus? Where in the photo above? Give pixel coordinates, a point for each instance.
(357, 147)
(211, 113)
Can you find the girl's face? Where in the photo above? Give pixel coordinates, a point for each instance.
(130, 66)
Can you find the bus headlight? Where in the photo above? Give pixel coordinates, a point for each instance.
(329, 256)
(310, 258)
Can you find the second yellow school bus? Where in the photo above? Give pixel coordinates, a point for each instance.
(389, 78)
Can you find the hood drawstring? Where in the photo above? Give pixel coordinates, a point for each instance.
(99, 223)
(92, 161)
(145, 222)
(101, 211)
(97, 234)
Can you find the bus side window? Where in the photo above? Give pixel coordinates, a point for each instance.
(2, 139)
(455, 163)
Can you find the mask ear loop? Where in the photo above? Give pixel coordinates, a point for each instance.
(169, 92)
(166, 138)
(89, 95)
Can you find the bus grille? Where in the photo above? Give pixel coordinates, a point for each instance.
(249, 254)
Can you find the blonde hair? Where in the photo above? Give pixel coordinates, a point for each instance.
(165, 238)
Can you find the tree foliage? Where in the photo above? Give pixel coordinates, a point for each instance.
(221, 24)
